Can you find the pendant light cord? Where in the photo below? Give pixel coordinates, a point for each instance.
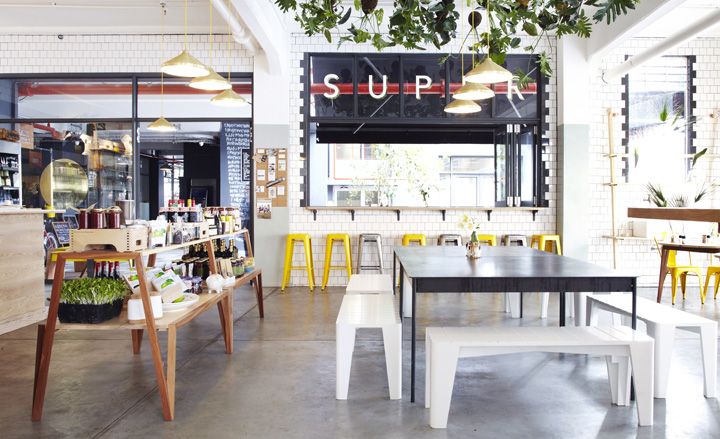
(162, 50)
(487, 7)
(229, 46)
(185, 27)
(211, 32)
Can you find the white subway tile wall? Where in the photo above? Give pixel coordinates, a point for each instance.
(143, 53)
(385, 222)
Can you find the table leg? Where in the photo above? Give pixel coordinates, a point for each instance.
(151, 260)
(137, 335)
(394, 276)
(413, 293)
(42, 363)
(154, 342)
(226, 321)
(171, 357)
(664, 254)
(259, 295)
(521, 305)
(633, 317)
(402, 274)
(562, 309)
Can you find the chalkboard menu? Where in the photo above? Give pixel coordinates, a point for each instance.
(236, 165)
(62, 232)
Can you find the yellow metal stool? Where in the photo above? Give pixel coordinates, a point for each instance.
(545, 243)
(344, 239)
(487, 239)
(413, 237)
(713, 271)
(303, 238)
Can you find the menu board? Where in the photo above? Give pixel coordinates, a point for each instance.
(236, 165)
(62, 232)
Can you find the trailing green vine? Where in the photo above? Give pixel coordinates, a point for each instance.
(416, 24)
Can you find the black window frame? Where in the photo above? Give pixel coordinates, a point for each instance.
(491, 123)
(134, 120)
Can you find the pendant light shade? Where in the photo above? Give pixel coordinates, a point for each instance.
(184, 65)
(212, 81)
(229, 98)
(473, 92)
(461, 106)
(488, 72)
(162, 125)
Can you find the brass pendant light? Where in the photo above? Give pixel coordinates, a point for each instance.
(184, 65)
(467, 93)
(462, 106)
(162, 124)
(211, 81)
(229, 98)
(488, 71)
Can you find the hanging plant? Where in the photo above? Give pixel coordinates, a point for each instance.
(415, 24)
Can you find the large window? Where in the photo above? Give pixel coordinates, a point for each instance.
(377, 135)
(659, 117)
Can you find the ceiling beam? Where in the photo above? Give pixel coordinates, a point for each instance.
(264, 21)
(607, 37)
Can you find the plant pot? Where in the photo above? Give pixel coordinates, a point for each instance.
(473, 250)
(73, 313)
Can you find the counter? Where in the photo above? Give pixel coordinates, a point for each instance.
(22, 258)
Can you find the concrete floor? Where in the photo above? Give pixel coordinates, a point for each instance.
(280, 382)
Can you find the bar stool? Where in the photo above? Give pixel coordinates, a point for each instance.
(303, 238)
(508, 240)
(545, 243)
(370, 238)
(490, 240)
(344, 239)
(413, 237)
(450, 239)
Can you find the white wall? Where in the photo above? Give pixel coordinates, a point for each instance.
(641, 256)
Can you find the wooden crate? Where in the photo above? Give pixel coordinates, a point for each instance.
(122, 240)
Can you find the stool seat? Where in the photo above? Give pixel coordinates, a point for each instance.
(545, 243)
(409, 238)
(449, 239)
(508, 240)
(306, 241)
(344, 239)
(487, 239)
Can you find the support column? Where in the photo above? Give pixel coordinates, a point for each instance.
(573, 73)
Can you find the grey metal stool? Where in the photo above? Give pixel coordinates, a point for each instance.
(369, 238)
(521, 240)
(450, 239)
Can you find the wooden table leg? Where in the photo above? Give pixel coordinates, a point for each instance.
(38, 351)
(229, 322)
(151, 260)
(259, 295)
(153, 341)
(664, 253)
(42, 364)
(171, 358)
(137, 335)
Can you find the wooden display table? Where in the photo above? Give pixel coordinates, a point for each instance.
(170, 321)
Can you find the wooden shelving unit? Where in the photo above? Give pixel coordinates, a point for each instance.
(442, 210)
(170, 322)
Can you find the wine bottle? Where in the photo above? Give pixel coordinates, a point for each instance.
(96, 267)
(234, 251)
(103, 274)
(115, 270)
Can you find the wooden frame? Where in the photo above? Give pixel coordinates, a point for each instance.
(170, 322)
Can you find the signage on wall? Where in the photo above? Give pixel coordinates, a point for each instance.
(271, 173)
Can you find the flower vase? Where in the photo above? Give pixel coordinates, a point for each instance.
(473, 250)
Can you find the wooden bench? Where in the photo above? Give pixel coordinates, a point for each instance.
(368, 311)
(369, 284)
(661, 322)
(621, 345)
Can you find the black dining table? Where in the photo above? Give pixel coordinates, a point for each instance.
(446, 269)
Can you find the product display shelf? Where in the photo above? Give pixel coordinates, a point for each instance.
(170, 322)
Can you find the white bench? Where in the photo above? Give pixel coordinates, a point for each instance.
(368, 311)
(661, 322)
(443, 347)
(369, 284)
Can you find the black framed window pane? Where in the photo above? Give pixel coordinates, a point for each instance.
(383, 100)
(456, 66)
(331, 86)
(526, 178)
(424, 86)
(501, 192)
(515, 103)
(7, 99)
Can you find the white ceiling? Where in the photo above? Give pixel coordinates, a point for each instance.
(104, 17)
(682, 17)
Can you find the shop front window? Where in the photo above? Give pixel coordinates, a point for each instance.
(75, 165)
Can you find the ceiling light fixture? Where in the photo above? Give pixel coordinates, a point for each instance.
(184, 65)
(229, 98)
(162, 124)
(467, 93)
(488, 71)
(461, 106)
(211, 81)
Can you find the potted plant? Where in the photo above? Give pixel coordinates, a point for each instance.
(91, 300)
(473, 246)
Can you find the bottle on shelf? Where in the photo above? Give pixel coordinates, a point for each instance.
(102, 269)
(115, 274)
